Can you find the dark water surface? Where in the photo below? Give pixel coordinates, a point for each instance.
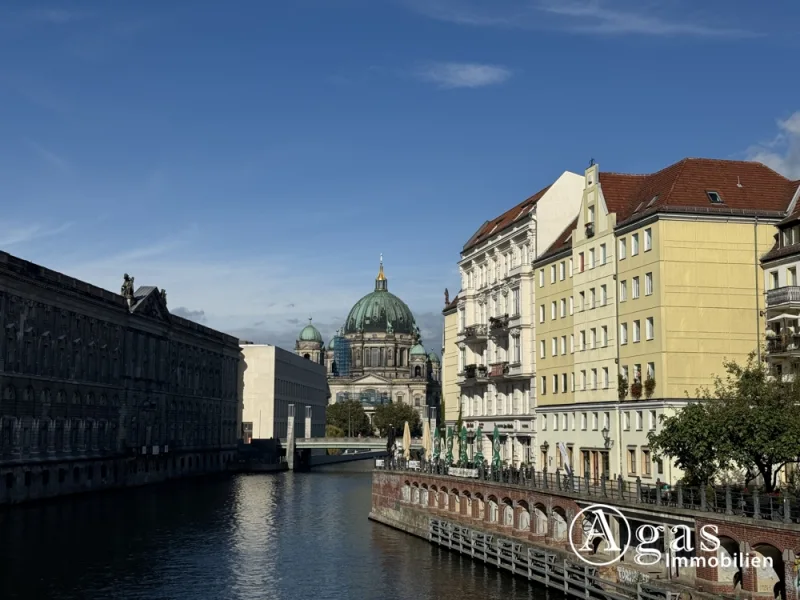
(281, 537)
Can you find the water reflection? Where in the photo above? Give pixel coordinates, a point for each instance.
(260, 536)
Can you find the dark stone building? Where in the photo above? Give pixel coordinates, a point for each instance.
(105, 390)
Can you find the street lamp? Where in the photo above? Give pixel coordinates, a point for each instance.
(471, 439)
(607, 441)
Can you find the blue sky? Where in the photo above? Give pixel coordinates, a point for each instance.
(254, 158)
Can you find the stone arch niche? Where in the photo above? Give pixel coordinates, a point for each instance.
(559, 524)
(539, 519)
(494, 510)
(769, 579)
(728, 552)
(523, 516)
(508, 512)
(480, 507)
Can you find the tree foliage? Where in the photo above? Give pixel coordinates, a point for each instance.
(748, 420)
(349, 416)
(334, 431)
(396, 414)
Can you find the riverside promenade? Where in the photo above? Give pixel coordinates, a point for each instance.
(520, 521)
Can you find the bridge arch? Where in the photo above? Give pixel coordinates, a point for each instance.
(769, 578)
(508, 512)
(523, 520)
(727, 552)
(407, 491)
(415, 496)
(455, 502)
(539, 519)
(494, 509)
(434, 496)
(444, 499)
(559, 524)
(424, 497)
(479, 507)
(467, 505)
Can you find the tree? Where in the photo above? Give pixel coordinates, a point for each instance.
(349, 417)
(396, 414)
(749, 420)
(334, 432)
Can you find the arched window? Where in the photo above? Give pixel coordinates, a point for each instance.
(307, 356)
(417, 371)
(417, 401)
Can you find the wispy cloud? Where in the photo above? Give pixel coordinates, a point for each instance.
(49, 156)
(593, 17)
(463, 75)
(782, 153)
(11, 235)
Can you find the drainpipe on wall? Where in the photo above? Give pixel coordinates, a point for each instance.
(616, 337)
(755, 267)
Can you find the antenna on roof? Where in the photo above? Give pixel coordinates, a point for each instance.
(738, 183)
(591, 162)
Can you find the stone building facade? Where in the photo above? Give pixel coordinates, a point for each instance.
(104, 390)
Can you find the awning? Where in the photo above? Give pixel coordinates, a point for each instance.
(783, 317)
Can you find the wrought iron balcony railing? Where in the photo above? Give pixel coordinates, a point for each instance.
(499, 369)
(784, 344)
(498, 322)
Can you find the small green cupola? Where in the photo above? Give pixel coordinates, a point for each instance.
(310, 334)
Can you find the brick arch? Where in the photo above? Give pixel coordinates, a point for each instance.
(540, 519)
(522, 516)
(770, 579)
(492, 509)
(479, 507)
(559, 519)
(506, 506)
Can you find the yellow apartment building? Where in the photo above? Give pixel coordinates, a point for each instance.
(451, 392)
(666, 287)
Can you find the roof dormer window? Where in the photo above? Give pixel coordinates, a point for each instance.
(714, 197)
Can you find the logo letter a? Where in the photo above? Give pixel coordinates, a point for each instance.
(600, 528)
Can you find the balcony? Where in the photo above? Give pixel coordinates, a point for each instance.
(473, 374)
(473, 333)
(786, 344)
(789, 294)
(499, 370)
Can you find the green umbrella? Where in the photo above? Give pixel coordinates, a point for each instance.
(436, 444)
(449, 456)
(478, 458)
(462, 446)
(496, 449)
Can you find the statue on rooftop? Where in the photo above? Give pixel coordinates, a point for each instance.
(446, 297)
(127, 287)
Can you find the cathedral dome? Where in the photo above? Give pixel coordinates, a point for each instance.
(310, 334)
(433, 357)
(380, 312)
(419, 350)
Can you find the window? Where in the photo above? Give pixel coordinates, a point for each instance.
(563, 382)
(714, 197)
(623, 290)
(594, 379)
(638, 420)
(462, 359)
(571, 305)
(554, 348)
(544, 388)
(552, 273)
(648, 239)
(623, 333)
(603, 254)
(606, 420)
(591, 258)
(635, 288)
(570, 266)
(651, 425)
(637, 373)
(555, 387)
(541, 277)
(648, 284)
(648, 330)
(583, 340)
(659, 466)
(604, 335)
(572, 342)
(541, 349)
(580, 263)
(636, 332)
(593, 338)
(592, 302)
(583, 380)
(562, 270)
(563, 311)
(583, 421)
(563, 344)
(622, 249)
(651, 370)
(594, 421)
(573, 381)
(773, 280)
(605, 385)
(603, 295)
(791, 276)
(646, 464)
(626, 421)
(590, 218)
(553, 310)
(632, 461)
(634, 244)
(564, 418)
(583, 300)
(517, 349)
(541, 313)
(515, 300)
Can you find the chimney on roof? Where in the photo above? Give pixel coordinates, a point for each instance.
(738, 182)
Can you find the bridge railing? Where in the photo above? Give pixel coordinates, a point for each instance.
(782, 506)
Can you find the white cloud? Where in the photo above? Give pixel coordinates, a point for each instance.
(13, 235)
(783, 152)
(595, 17)
(463, 75)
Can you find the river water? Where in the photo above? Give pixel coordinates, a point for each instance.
(283, 537)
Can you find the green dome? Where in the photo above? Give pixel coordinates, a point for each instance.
(433, 357)
(310, 334)
(330, 346)
(376, 311)
(419, 350)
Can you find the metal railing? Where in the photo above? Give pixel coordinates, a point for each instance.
(783, 295)
(783, 506)
(785, 343)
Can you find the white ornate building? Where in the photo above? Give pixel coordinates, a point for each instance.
(496, 358)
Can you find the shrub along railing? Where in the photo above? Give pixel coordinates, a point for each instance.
(728, 500)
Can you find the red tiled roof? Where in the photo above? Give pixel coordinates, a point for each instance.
(505, 220)
(563, 242)
(744, 187)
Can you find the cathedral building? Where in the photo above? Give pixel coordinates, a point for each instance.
(377, 356)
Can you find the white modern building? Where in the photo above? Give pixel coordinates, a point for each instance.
(496, 325)
(274, 378)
